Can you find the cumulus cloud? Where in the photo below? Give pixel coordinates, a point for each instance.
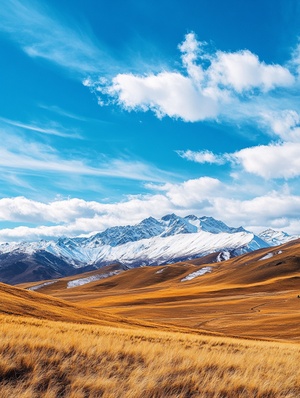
(26, 210)
(192, 50)
(284, 123)
(274, 161)
(275, 209)
(271, 161)
(168, 93)
(192, 192)
(277, 160)
(243, 71)
(73, 217)
(209, 80)
(202, 196)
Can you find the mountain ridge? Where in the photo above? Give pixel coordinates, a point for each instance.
(275, 238)
(150, 242)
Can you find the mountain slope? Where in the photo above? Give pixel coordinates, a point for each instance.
(275, 238)
(151, 242)
(20, 302)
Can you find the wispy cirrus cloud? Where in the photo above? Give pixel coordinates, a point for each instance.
(295, 60)
(41, 33)
(55, 129)
(62, 112)
(27, 156)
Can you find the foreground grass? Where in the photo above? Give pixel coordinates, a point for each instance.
(40, 358)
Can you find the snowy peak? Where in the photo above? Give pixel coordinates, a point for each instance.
(209, 224)
(275, 238)
(116, 236)
(192, 224)
(153, 226)
(169, 225)
(175, 225)
(151, 242)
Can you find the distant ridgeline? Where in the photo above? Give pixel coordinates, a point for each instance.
(151, 242)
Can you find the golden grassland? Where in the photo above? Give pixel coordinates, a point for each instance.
(51, 359)
(231, 333)
(244, 297)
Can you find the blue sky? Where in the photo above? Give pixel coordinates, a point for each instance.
(115, 111)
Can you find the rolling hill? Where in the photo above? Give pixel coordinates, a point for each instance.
(189, 329)
(254, 295)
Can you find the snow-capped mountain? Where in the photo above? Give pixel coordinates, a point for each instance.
(151, 242)
(275, 238)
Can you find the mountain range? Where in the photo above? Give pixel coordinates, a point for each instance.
(151, 242)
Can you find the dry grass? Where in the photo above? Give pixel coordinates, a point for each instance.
(263, 310)
(41, 358)
(249, 296)
(156, 353)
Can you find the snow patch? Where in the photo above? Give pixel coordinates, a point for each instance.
(36, 287)
(160, 270)
(200, 272)
(88, 279)
(270, 255)
(223, 256)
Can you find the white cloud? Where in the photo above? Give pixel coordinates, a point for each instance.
(26, 210)
(76, 216)
(271, 161)
(202, 156)
(285, 123)
(192, 192)
(203, 196)
(243, 71)
(274, 161)
(277, 209)
(206, 88)
(167, 93)
(191, 50)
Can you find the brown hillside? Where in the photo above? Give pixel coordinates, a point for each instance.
(19, 302)
(254, 295)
